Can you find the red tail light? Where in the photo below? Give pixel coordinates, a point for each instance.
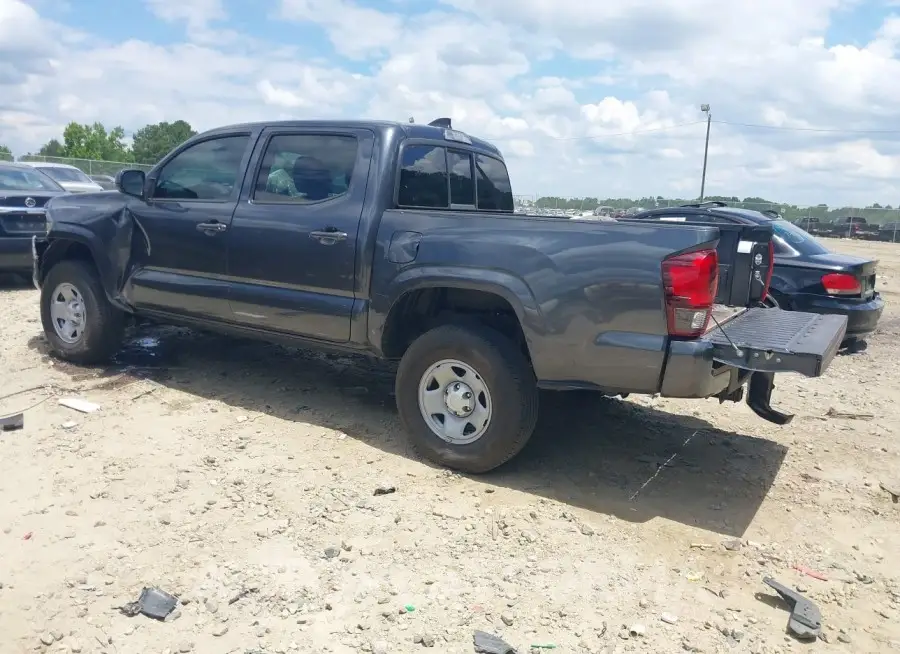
(690, 281)
(765, 292)
(841, 284)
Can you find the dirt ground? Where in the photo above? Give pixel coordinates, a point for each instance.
(242, 478)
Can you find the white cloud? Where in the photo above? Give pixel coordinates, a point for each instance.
(554, 84)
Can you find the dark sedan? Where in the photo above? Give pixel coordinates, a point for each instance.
(807, 276)
(23, 193)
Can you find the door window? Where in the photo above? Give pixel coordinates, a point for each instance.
(423, 177)
(305, 168)
(209, 170)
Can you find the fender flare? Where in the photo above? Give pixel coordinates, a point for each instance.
(511, 288)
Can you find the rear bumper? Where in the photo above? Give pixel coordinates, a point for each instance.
(15, 254)
(862, 315)
(752, 347)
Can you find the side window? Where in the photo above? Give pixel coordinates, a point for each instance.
(462, 183)
(304, 168)
(209, 170)
(494, 190)
(423, 177)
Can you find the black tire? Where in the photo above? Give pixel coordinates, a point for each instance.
(510, 381)
(104, 324)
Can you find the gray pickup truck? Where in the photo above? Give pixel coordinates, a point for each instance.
(400, 241)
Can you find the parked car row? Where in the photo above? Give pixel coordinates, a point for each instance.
(851, 227)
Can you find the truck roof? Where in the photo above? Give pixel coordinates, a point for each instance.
(383, 127)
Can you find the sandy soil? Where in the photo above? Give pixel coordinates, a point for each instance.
(242, 477)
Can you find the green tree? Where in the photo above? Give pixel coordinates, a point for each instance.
(52, 148)
(153, 142)
(94, 142)
(4, 149)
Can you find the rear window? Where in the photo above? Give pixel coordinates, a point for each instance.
(797, 238)
(64, 174)
(435, 177)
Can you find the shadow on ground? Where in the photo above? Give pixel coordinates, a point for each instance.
(588, 451)
(13, 282)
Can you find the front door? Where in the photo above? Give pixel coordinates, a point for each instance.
(292, 244)
(185, 220)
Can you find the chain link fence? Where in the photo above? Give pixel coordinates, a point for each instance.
(89, 166)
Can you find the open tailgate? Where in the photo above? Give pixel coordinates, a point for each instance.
(774, 340)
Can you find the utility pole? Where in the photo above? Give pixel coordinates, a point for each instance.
(705, 109)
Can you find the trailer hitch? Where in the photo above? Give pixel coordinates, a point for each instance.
(760, 395)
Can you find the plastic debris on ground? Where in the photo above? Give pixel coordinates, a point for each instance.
(486, 643)
(153, 602)
(78, 404)
(805, 620)
(13, 422)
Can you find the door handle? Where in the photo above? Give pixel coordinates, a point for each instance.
(212, 228)
(328, 236)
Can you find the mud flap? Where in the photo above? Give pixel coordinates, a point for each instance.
(760, 396)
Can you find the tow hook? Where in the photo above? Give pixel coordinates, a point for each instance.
(759, 396)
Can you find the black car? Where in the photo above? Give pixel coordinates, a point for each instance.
(23, 193)
(106, 182)
(806, 276)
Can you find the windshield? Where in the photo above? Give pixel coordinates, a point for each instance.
(797, 238)
(65, 174)
(22, 179)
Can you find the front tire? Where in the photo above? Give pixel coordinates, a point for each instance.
(467, 397)
(79, 322)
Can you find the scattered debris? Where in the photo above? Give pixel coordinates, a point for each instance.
(486, 643)
(385, 490)
(700, 546)
(244, 593)
(668, 618)
(153, 602)
(733, 545)
(846, 415)
(802, 569)
(78, 404)
(805, 621)
(28, 535)
(637, 630)
(891, 489)
(12, 422)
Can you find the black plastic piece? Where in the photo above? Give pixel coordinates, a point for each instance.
(153, 602)
(441, 122)
(774, 340)
(486, 643)
(759, 396)
(13, 422)
(805, 621)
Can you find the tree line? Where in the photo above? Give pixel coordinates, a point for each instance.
(93, 141)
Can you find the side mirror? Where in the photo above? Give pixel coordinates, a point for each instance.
(131, 182)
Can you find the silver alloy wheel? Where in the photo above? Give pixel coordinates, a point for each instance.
(68, 313)
(455, 402)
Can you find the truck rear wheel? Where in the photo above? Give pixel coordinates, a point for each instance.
(79, 322)
(467, 397)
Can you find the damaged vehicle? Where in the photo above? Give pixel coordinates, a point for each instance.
(400, 241)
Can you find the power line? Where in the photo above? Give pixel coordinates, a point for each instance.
(809, 129)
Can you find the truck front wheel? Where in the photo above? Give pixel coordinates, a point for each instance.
(79, 322)
(467, 397)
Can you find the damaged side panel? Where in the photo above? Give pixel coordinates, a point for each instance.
(98, 227)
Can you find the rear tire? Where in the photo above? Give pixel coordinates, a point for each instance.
(79, 322)
(434, 376)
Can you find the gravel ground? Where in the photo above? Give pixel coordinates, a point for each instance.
(244, 478)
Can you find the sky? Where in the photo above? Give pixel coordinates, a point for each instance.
(596, 99)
